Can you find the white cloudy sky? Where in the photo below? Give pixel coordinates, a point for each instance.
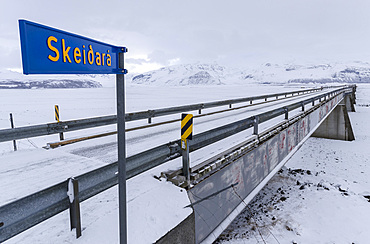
(229, 32)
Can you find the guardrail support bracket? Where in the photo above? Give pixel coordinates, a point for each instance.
(286, 113)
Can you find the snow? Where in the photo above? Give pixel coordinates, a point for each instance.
(268, 73)
(202, 74)
(154, 207)
(318, 197)
(15, 76)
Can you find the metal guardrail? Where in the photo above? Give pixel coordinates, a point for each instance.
(73, 125)
(26, 212)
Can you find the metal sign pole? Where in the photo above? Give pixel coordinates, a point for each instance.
(185, 158)
(120, 80)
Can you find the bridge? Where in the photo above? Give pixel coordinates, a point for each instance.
(265, 131)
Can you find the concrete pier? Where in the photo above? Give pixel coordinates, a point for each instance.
(337, 125)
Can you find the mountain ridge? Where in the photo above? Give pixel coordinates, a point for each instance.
(214, 74)
(48, 84)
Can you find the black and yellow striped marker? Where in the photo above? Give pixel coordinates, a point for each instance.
(57, 113)
(186, 126)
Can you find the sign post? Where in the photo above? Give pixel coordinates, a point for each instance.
(57, 118)
(120, 80)
(186, 134)
(46, 50)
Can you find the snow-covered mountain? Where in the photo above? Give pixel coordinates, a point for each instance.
(50, 83)
(182, 75)
(15, 80)
(203, 74)
(213, 74)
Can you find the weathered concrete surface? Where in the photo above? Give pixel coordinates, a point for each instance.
(183, 233)
(349, 101)
(234, 185)
(337, 125)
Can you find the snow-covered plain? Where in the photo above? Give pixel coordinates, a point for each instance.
(320, 196)
(153, 206)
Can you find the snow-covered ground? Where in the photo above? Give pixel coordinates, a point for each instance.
(322, 195)
(156, 206)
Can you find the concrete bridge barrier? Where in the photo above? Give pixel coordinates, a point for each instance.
(218, 197)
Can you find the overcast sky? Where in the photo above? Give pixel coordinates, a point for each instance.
(233, 32)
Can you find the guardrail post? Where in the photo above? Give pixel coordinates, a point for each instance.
(302, 104)
(251, 101)
(149, 120)
(313, 103)
(74, 206)
(255, 126)
(12, 125)
(230, 105)
(199, 111)
(286, 113)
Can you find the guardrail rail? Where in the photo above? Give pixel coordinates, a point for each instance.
(73, 125)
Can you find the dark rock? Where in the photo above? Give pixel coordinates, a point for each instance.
(341, 190)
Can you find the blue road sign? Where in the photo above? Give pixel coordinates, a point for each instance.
(47, 50)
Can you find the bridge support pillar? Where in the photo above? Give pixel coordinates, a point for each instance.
(337, 125)
(349, 101)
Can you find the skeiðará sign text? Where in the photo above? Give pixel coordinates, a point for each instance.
(46, 50)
